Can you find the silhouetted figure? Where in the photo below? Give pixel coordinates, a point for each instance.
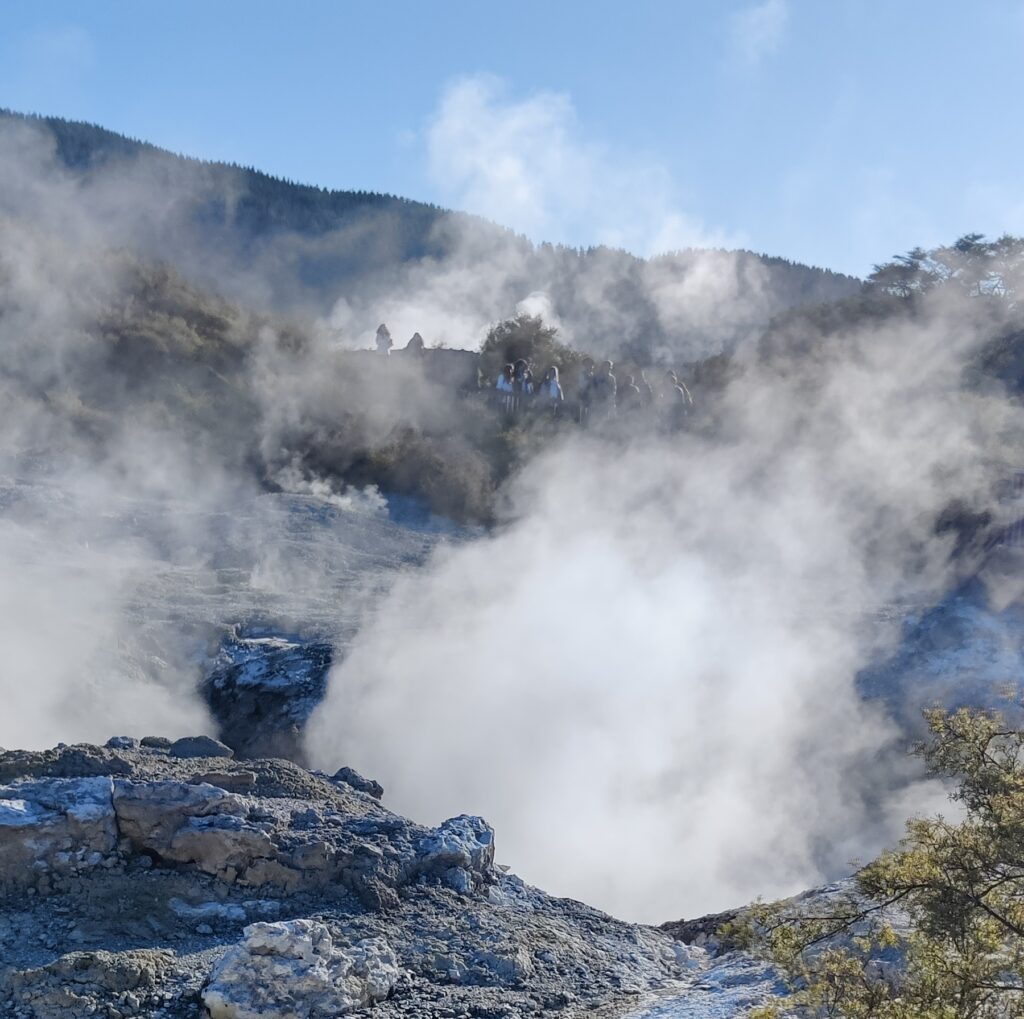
(415, 345)
(687, 396)
(678, 402)
(504, 383)
(602, 391)
(505, 389)
(584, 390)
(551, 390)
(522, 382)
(646, 391)
(628, 396)
(679, 408)
(384, 341)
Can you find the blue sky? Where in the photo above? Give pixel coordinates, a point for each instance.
(833, 133)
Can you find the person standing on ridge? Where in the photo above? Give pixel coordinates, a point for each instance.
(679, 402)
(384, 341)
(506, 389)
(602, 390)
(522, 382)
(584, 390)
(628, 398)
(646, 390)
(551, 390)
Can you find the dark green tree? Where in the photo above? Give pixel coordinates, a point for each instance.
(959, 883)
(973, 266)
(526, 337)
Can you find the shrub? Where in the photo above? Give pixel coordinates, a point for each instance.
(960, 884)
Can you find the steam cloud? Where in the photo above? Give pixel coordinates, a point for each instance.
(526, 163)
(646, 679)
(643, 678)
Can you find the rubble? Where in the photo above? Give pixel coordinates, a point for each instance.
(296, 968)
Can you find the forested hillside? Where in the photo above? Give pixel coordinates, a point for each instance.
(353, 258)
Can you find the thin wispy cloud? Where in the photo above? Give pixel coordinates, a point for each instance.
(757, 32)
(528, 163)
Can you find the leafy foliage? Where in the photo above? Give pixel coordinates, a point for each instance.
(526, 337)
(961, 884)
(972, 265)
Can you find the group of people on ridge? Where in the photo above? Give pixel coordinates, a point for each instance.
(516, 381)
(598, 393)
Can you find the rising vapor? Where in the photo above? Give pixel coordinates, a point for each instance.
(646, 678)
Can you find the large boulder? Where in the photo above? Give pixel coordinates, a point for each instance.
(151, 813)
(215, 843)
(263, 688)
(296, 969)
(199, 746)
(183, 823)
(53, 827)
(353, 779)
(459, 853)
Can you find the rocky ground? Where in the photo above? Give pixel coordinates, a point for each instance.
(967, 650)
(187, 879)
(170, 880)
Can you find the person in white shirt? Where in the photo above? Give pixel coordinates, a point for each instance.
(505, 389)
(504, 383)
(550, 389)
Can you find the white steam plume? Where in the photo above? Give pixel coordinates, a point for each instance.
(646, 679)
(130, 534)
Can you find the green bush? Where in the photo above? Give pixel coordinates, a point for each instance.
(526, 337)
(961, 885)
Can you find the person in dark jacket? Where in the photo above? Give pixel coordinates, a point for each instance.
(522, 378)
(627, 398)
(584, 390)
(602, 391)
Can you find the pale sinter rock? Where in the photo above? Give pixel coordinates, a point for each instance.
(54, 825)
(460, 852)
(295, 968)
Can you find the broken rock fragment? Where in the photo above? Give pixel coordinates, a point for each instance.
(296, 968)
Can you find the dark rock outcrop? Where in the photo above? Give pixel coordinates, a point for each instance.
(262, 690)
(199, 746)
(352, 778)
(704, 931)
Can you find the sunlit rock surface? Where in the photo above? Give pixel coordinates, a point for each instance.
(296, 968)
(131, 885)
(968, 650)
